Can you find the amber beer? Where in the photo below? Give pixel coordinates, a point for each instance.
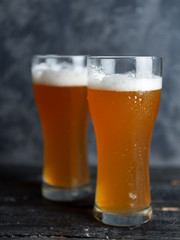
(124, 96)
(123, 123)
(61, 98)
(64, 117)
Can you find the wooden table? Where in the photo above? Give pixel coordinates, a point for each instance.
(24, 214)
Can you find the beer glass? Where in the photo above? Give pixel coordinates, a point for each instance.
(60, 90)
(124, 96)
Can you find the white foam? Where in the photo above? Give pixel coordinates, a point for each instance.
(126, 82)
(59, 74)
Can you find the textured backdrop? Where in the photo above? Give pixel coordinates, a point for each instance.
(95, 27)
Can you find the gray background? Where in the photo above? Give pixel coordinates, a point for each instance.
(95, 27)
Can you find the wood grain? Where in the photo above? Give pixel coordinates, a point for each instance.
(24, 214)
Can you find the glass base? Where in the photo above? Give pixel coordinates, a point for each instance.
(123, 220)
(65, 194)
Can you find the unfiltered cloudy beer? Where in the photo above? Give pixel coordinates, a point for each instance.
(61, 98)
(123, 110)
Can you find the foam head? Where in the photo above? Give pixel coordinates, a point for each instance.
(125, 82)
(53, 73)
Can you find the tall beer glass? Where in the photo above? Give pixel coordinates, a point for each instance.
(60, 90)
(124, 96)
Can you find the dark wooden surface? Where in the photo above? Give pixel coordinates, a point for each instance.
(24, 214)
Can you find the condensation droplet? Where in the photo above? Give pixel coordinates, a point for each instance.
(132, 196)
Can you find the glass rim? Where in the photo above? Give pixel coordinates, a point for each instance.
(57, 56)
(124, 57)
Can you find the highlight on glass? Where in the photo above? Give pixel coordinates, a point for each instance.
(124, 95)
(60, 91)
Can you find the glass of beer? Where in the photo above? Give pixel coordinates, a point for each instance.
(124, 95)
(60, 90)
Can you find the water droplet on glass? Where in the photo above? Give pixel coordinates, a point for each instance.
(132, 196)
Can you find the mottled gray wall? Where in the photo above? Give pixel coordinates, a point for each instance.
(95, 27)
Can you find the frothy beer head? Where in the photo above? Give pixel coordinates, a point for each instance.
(51, 72)
(126, 82)
(125, 73)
